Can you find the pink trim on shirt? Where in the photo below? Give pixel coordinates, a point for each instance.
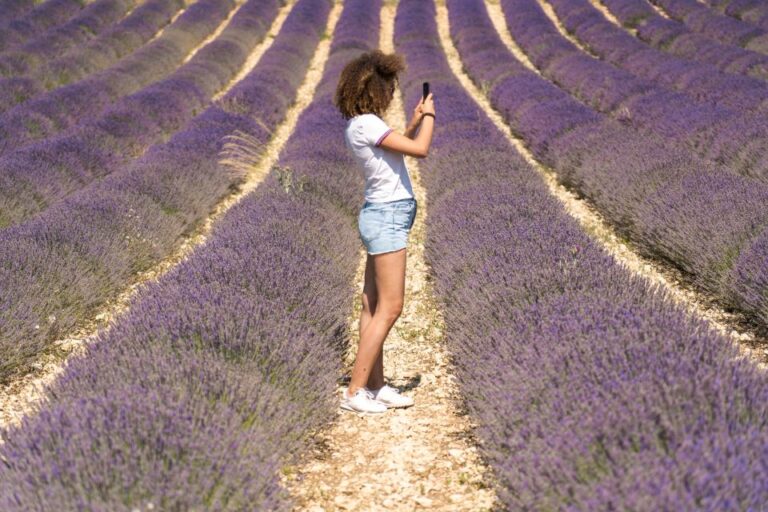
(382, 136)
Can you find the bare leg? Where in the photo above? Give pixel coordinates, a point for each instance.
(389, 276)
(376, 379)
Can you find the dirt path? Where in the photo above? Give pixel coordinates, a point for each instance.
(260, 49)
(593, 223)
(19, 398)
(420, 457)
(659, 10)
(159, 33)
(597, 4)
(552, 15)
(216, 33)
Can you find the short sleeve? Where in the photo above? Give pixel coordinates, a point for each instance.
(374, 129)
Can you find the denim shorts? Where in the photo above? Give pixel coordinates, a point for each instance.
(384, 227)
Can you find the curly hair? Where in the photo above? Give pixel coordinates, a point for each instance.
(367, 84)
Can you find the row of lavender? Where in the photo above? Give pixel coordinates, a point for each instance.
(108, 231)
(675, 38)
(751, 11)
(700, 18)
(705, 220)
(710, 80)
(720, 134)
(700, 217)
(13, 9)
(44, 16)
(40, 73)
(36, 176)
(196, 398)
(592, 389)
(722, 121)
(97, 16)
(63, 107)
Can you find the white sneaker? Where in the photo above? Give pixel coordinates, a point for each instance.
(362, 401)
(391, 397)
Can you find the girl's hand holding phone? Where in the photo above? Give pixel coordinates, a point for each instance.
(427, 105)
(410, 143)
(424, 105)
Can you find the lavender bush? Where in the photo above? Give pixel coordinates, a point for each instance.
(65, 106)
(44, 16)
(592, 390)
(631, 14)
(99, 53)
(750, 11)
(196, 398)
(13, 9)
(94, 18)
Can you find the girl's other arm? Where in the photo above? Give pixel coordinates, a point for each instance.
(410, 130)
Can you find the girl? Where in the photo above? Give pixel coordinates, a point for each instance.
(365, 89)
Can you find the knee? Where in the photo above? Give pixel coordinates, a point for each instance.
(391, 311)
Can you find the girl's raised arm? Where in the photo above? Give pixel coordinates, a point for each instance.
(418, 147)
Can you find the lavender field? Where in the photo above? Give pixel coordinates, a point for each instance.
(180, 262)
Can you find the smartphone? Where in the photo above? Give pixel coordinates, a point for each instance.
(425, 90)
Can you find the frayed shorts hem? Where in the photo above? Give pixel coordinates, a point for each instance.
(388, 250)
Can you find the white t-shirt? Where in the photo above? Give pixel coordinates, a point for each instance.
(386, 176)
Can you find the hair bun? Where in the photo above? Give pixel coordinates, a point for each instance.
(387, 64)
